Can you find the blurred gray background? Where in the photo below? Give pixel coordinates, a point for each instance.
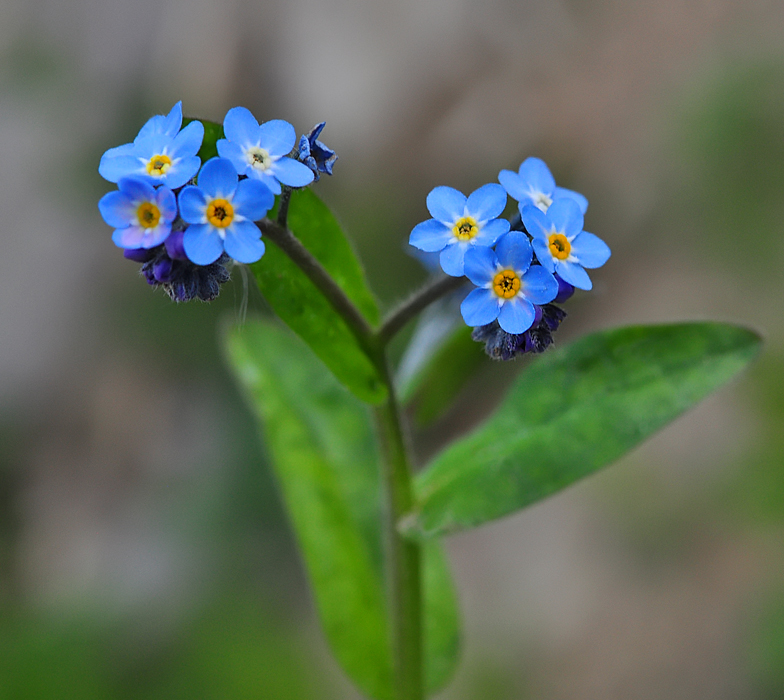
(143, 549)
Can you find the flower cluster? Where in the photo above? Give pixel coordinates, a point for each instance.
(186, 220)
(519, 272)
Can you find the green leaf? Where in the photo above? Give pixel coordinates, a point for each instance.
(433, 388)
(572, 412)
(324, 453)
(212, 132)
(306, 311)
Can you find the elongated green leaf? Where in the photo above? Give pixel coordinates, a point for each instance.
(303, 308)
(572, 412)
(323, 448)
(434, 387)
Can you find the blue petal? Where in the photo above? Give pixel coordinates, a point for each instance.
(537, 176)
(127, 149)
(487, 202)
(544, 254)
(252, 200)
(573, 274)
(581, 200)
(202, 244)
(539, 286)
(516, 315)
(430, 236)
(172, 121)
(218, 177)
(514, 251)
(446, 204)
(480, 265)
(188, 141)
(234, 152)
(566, 216)
(451, 259)
(243, 242)
(590, 251)
(241, 126)
(137, 190)
(513, 184)
(167, 203)
(491, 232)
(536, 222)
(480, 307)
(116, 209)
(129, 237)
(291, 172)
(112, 168)
(181, 172)
(267, 178)
(153, 127)
(277, 137)
(193, 205)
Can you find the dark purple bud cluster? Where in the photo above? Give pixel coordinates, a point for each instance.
(501, 345)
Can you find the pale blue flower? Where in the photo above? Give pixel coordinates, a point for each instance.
(260, 151)
(534, 184)
(508, 286)
(460, 223)
(161, 153)
(141, 215)
(560, 243)
(221, 212)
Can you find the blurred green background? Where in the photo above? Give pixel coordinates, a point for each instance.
(143, 549)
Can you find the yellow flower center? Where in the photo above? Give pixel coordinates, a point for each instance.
(560, 246)
(465, 229)
(506, 284)
(220, 213)
(259, 158)
(148, 214)
(158, 165)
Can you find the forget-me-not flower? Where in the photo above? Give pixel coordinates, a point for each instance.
(161, 153)
(221, 212)
(315, 154)
(534, 184)
(460, 223)
(560, 243)
(260, 151)
(141, 215)
(508, 285)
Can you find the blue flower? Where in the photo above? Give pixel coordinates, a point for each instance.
(534, 184)
(315, 154)
(460, 223)
(560, 243)
(160, 153)
(260, 151)
(508, 285)
(141, 215)
(221, 212)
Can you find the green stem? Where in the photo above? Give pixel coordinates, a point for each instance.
(403, 556)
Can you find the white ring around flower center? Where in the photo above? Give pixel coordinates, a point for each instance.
(258, 158)
(541, 200)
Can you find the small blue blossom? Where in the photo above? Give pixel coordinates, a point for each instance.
(534, 184)
(160, 153)
(560, 243)
(509, 287)
(314, 153)
(460, 223)
(260, 151)
(141, 215)
(221, 212)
